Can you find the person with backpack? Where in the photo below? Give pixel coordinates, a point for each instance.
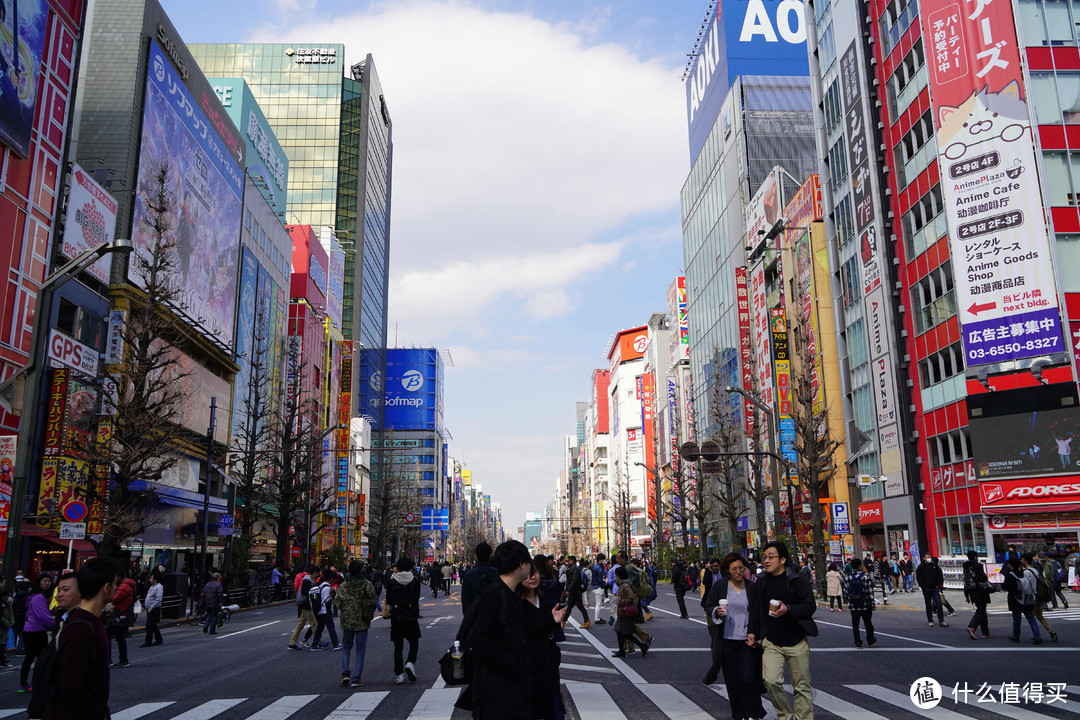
(322, 606)
(628, 616)
(575, 589)
(1043, 593)
(403, 599)
(680, 584)
(77, 687)
(639, 579)
(303, 584)
(1020, 586)
(474, 582)
(976, 590)
(355, 599)
(1057, 576)
(860, 597)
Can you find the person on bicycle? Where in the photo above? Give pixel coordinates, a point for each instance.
(213, 595)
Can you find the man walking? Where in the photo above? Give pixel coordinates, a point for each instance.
(782, 618)
(711, 575)
(275, 582)
(599, 587)
(120, 619)
(403, 598)
(322, 605)
(931, 579)
(860, 597)
(575, 589)
(678, 582)
(1042, 590)
(355, 599)
(447, 576)
(478, 578)
(213, 594)
(907, 572)
(303, 606)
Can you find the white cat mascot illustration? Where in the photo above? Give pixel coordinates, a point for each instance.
(983, 117)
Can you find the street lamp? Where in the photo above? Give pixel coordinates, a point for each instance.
(19, 394)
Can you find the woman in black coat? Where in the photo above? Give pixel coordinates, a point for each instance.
(740, 662)
(978, 595)
(544, 654)
(549, 589)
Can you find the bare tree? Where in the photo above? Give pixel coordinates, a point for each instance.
(135, 451)
(394, 494)
(728, 487)
(814, 441)
(621, 503)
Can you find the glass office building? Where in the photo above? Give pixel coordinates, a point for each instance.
(335, 128)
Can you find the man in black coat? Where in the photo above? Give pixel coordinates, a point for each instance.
(931, 580)
(474, 581)
(711, 575)
(680, 585)
(781, 616)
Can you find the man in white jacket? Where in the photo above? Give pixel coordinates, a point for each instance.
(153, 611)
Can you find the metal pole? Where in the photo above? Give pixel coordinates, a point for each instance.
(206, 491)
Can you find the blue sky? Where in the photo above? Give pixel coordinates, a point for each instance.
(539, 152)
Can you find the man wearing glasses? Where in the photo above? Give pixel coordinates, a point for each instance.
(782, 618)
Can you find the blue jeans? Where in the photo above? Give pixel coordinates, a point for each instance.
(348, 639)
(211, 620)
(909, 582)
(1029, 613)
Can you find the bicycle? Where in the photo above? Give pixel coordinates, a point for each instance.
(197, 615)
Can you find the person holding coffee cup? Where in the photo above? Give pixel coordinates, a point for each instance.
(781, 617)
(728, 606)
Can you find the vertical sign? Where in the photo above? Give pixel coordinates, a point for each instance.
(1006, 292)
(647, 412)
(746, 353)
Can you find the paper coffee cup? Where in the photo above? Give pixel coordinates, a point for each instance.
(723, 603)
(774, 605)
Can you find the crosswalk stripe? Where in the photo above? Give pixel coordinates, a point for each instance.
(358, 706)
(594, 703)
(9, 713)
(281, 708)
(674, 704)
(435, 704)
(903, 701)
(209, 709)
(571, 653)
(589, 668)
(132, 713)
(837, 706)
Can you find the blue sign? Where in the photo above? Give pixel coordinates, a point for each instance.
(432, 518)
(787, 439)
(742, 523)
(225, 521)
(841, 521)
(756, 37)
(413, 398)
(1014, 336)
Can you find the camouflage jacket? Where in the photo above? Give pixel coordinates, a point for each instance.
(355, 600)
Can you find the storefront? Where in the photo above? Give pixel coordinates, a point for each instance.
(871, 529)
(1034, 514)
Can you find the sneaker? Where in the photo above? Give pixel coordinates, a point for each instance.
(1014, 638)
(125, 663)
(943, 624)
(24, 688)
(1037, 641)
(344, 679)
(858, 645)
(306, 643)
(316, 648)
(410, 670)
(205, 629)
(971, 632)
(293, 647)
(1054, 635)
(931, 623)
(987, 635)
(952, 613)
(356, 683)
(872, 643)
(400, 679)
(339, 646)
(645, 647)
(648, 615)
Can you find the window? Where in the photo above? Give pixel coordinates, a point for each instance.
(851, 280)
(950, 448)
(942, 365)
(933, 299)
(831, 101)
(1068, 262)
(1059, 23)
(845, 221)
(1044, 92)
(838, 163)
(1031, 23)
(1058, 186)
(827, 49)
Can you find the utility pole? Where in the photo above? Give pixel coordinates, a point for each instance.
(206, 489)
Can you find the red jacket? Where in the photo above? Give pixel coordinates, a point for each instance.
(124, 597)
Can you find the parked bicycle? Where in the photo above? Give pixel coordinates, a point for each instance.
(197, 615)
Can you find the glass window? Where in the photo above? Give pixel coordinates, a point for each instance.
(1068, 262)
(1068, 90)
(1031, 22)
(1047, 110)
(1058, 187)
(1058, 22)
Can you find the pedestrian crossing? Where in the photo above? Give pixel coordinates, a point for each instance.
(586, 701)
(1070, 615)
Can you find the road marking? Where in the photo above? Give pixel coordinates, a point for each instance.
(282, 707)
(589, 668)
(209, 709)
(674, 704)
(580, 644)
(843, 708)
(439, 683)
(679, 650)
(571, 653)
(132, 713)
(619, 663)
(699, 622)
(881, 634)
(947, 648)
(903, 701)
(593, 702)
(9, 713)
(222, 636)
(435, 704)
(358, 706)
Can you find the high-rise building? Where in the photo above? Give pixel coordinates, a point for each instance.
(334, 126)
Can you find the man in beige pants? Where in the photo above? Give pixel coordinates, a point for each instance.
(307, 617)
(782, 618)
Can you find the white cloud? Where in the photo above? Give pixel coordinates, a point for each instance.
(548, 304)
(468, 358)
(510, 135)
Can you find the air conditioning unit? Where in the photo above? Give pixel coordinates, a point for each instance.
(891, 214)
(888, 192)
(903, 333)
(911, 408)
(896, 261)
(880, 125)
(910, 382)
(907, 358)
(901, 309)
(918, 459)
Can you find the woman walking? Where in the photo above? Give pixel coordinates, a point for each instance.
(729, 605)
(1021, 600)
(544, 654)
(39, 622)
(978, 594)
(834, 587)
(403, 601)
(628, 615)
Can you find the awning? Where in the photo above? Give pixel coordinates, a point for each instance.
(181, 498)
(83, 547)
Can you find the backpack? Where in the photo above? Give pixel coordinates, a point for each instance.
(315, 599)
(969, 580)
(302, 601)
(402, 601)
(46, 679)
(586, 579)
(1059, 573)
(639, 581)
(1043, 591)
(856, 589)
(1027, 587)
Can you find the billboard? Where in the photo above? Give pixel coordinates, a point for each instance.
(91, 220)
(1025, 432)
(265, 159)
(1006, 294)
(246, 349)
(628, 345)
(648, 402)
(208, 185)
(20, 71)
(763, 210)
(680, 330)
(413, 389)
(741, 37)
(309, 266)
(746, 352)
(335, 282)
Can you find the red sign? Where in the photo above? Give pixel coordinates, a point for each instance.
(647, 395)
(870, 513)
(742, 302)
(1062, 491)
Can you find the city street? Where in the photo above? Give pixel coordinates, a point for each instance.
(246, 672)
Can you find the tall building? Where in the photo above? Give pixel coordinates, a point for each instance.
(334, 126)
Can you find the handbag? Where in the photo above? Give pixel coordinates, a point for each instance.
(629, 611)
(986, 587)
(446, 668)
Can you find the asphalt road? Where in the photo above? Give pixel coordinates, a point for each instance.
(246, 672)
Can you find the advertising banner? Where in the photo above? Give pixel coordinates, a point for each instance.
(335, 283)
(71, 353)
(1062, 494)
(1033, 442)
(22, 38)
(246, 350)
(91, 220)
(804, 274)
(763, 210)
(8, 445)
(208, 185)
(412, 396)
(1006, 294)
(680, 329)
(746, 353)
(648, 394)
